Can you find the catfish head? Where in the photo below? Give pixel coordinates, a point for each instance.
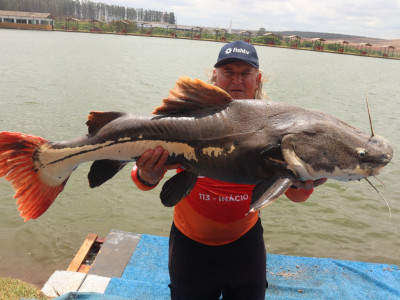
(329, 148)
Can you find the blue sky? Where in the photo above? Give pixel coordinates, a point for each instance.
(370, 18)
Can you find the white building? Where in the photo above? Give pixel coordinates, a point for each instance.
(26, 20)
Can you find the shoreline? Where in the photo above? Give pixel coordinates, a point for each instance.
(227, 41)
(32, 272)
(212, 40)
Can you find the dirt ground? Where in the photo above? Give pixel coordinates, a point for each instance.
(376, 43)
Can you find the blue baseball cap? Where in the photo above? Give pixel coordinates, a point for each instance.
(237, 51)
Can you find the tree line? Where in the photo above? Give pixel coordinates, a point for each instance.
(85, 9)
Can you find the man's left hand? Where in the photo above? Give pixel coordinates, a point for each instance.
(309, 184)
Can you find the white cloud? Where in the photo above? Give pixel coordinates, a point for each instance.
(371, 18)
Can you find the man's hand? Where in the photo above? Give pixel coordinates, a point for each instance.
(309, 184)
(151, 165)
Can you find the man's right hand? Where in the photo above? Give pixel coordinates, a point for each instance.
(151, 165)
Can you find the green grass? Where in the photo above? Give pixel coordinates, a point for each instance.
(11, 289)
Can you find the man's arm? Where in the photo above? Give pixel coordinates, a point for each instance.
(150, 168)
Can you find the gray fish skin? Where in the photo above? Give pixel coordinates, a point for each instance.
(250, 140)
(269, 144)
(246, 142)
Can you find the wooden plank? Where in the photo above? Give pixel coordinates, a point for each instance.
(84, 268)
(101, 240)
(82, 253)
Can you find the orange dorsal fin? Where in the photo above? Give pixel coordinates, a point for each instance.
(97, 119)
(191, 95)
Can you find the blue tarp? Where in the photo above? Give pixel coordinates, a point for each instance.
(289, 277)
(293, 277)
(88, 296)
(146, 275)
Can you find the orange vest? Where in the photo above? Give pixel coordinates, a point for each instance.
(215, 212)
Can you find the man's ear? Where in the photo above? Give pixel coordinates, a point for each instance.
(258, 79)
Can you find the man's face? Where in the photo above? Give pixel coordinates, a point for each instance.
(239, 79)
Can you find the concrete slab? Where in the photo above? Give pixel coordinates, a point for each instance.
(115, 254)
(62, 282)
(95, 284)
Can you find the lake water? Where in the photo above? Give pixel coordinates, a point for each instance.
(49, 81)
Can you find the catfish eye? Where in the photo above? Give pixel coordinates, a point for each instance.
(361, 153)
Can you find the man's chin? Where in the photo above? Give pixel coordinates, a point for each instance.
(236, 94)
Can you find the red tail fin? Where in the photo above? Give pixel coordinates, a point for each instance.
(17, 154)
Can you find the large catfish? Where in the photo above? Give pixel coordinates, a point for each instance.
(259, 142)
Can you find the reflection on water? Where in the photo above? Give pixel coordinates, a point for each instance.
(49, 81)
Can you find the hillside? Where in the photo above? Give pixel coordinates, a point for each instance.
(322, 35)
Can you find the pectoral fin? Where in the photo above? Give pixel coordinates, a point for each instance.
(269, 190)
(177, 188)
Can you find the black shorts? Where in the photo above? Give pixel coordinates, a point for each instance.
(236, 270)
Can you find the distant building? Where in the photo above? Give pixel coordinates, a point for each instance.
(26, 20)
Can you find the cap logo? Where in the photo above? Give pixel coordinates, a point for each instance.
(238, 50)
(241, 50)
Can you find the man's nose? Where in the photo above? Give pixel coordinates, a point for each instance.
(237, 78)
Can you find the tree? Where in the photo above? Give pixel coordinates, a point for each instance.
(171, 18)
(86, 9)
(261, 31)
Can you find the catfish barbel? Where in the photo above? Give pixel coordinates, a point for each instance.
(266, 143)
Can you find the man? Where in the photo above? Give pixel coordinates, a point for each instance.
(215, 246)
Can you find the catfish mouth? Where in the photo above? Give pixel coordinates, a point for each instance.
(380, 154)
(386, 149)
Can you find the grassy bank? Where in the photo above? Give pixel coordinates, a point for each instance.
(11, 289)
